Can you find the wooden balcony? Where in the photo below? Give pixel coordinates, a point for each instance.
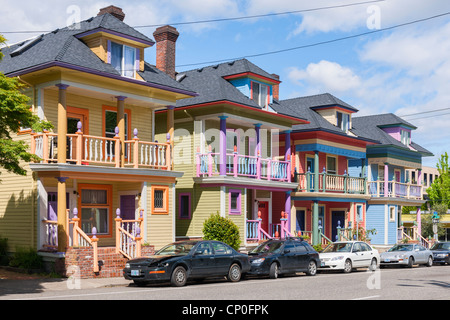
(330, 183)
(94, 150)
(394, 189)
(238, 165)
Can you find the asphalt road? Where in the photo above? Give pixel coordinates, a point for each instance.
(418, 283)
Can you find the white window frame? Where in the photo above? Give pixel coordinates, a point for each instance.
(123, 72)
(264, 103)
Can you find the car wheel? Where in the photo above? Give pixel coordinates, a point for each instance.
(179, 277)
(273, 271)
(430, 261)
(348, 266)
(373, 265)
(234, 274)
(410, 262)
(312, 268)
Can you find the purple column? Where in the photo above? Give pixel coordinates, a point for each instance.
(258, 139)
(287, 144)
(223, 146)
(287, 209)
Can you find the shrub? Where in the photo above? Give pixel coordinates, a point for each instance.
(4, 252)
(26, 258)
(221, 229)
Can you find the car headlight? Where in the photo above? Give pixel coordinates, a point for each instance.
(163, 265)
(127, 265)
(337, 258)
(258, 261)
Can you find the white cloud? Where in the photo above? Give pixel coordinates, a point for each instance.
(325, 76)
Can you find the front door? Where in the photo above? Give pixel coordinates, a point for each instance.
(127, 210)
(75, 115)
(310, 168)
(336, 216)
(263, 207)
(300, 223)
(52, 206)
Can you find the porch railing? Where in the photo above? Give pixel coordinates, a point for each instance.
(128, 235)
(238, 165)
(277, 230)
(81, 239)
(86, 149)
(330, 183)
(412, 234)
(395, 189)
(51, 235)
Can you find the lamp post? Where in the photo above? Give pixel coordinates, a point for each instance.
(435, 220)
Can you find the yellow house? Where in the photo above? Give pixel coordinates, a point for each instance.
(102, 173)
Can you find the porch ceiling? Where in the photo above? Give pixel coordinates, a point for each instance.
(247, 183)
(71, 171)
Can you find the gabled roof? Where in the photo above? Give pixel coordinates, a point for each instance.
(63, 47)
(209, 82)
(371, 128)
(304, 107)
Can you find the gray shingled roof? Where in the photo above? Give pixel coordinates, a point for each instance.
(303, 107)
(63, 46)
(211, 85)
(370, 127)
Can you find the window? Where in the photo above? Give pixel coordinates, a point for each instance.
(160, 200)
(123, 59)
(260, 94)
(184, 206)
(359, 212)
(405, 137)
(221, 249)
(95, 208)
(391, 214)
(343, 121)
(331, 165)
(235, 202)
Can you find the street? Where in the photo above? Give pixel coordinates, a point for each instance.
(418, 283)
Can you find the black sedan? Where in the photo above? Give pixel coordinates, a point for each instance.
(275, 257)
(441, 252)
(180, 261)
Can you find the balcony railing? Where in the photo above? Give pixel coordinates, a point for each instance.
(395, 189)
(334, 183)
(86, 149)
(238, 165)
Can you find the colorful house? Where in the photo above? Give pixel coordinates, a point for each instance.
(104, 180)
(226, 143)
(330, 168)
(388, 183)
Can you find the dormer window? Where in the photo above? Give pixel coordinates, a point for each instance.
(260, 94)
(123, 59)
(343, 121)
(405, 137)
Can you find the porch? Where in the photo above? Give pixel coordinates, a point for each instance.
(86, 255)
(332, 183)
(394, 189)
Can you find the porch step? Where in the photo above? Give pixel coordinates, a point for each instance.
(110, 262)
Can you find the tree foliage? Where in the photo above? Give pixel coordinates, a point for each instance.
(221, 229)
(439, 191)
(15, 114)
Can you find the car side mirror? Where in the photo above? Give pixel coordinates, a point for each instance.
(417, 249)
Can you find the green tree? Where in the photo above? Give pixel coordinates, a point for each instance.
(221, 229)
(15, 113)
(439, 191)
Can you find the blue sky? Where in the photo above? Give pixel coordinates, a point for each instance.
(404, 70)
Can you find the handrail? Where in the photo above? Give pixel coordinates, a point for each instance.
(129, 242)
(327, 182)
(80, 238)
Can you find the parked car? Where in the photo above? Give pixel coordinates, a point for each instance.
(407, 255)
(275, 257)
(347, 255)
(184, 260)
(441, 252)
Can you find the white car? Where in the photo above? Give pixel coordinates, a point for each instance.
(347, 255)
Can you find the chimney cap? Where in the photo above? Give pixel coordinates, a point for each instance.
(166, 33)
(113, 10)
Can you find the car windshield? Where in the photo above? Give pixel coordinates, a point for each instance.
(401, 247)
(338, 247)
(176, 249)
(442, 245)
(268, 247)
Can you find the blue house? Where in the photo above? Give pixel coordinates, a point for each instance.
(388, 183)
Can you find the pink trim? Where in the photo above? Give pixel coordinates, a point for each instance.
(237, 211)
(179, 207)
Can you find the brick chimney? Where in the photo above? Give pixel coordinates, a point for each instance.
(276, 88)
(113, 10)
(166, 38)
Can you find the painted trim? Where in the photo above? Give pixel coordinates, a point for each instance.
(188, 194)
(115, 33)
(254, 75)
(329, 149)
(165, 209)
(238, 210)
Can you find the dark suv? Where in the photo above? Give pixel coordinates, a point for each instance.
(275, 257)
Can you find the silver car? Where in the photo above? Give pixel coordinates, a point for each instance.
(408, 255)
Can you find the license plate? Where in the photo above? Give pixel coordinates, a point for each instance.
(387, 260)
(322, 264)
(135, 273)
